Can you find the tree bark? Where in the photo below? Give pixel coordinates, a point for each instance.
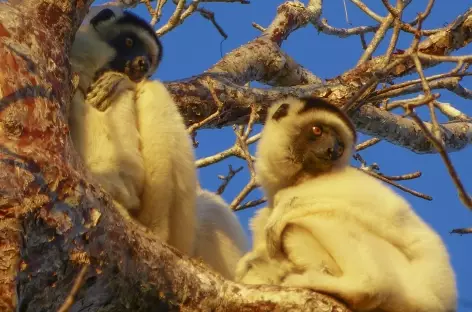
(53, 222)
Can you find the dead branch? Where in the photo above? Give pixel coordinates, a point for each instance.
(226, 179)
(462, 231)
(373, 170)
(250, 204)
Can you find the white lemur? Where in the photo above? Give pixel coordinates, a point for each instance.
(220, 239)
(344, 232)
(128, 130)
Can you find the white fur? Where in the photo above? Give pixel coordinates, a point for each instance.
(169, 194)
(256, 266)
(389, 258)
(220, 239)
(108, 141)
(348, 235)
(137, 148)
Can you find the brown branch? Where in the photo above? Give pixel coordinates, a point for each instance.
(399, 186)
(461, 231)
(366, 144)
(373, 171)
(252, 185)
(226, 179)
(408, 176)
(243, 64)
(191, 129)
(465, 198)
(407, 27)
(250, 204)
(211, 17)
(441, 43)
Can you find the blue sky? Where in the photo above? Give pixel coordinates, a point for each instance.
(195, 46)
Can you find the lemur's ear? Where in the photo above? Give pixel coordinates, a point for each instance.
(103, 15)
(282, 111)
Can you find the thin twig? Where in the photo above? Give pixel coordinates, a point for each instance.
(211, 17)
(373, 170)
(192, 128)
(465, 198)
(401, 187)
(226, 179)
(258, 27)
(461, 231)
(366, 144)
(396, 30)
(250, 204)
(252, 185)
(408, 176)
(75, 288)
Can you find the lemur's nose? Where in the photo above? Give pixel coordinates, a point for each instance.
(142, 63)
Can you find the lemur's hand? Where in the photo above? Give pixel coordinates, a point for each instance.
(103, 90)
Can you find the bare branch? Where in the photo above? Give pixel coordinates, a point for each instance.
(191, 129)
(462, 231)
(396, 28)
(366, 144)
(407, 27)
(258, 27)
(373, 170)
(250, 204)
(451, 112)
(440, 43)
(211, 17)
(378, 37)
(399, 186)
(465, 198)
(226, 179)
(408, 176)
(252, 185)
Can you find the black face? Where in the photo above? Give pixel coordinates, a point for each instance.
(317, 147)
(132, 56)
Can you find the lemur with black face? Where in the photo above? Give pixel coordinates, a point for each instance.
(133, 140)
(342, 231)
(128, 130)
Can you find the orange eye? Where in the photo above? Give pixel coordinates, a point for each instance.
(317, 130)
(129, 42)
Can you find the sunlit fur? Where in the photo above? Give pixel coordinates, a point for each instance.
(169, 193)
(256, 266)
(108, 142)
(220, 239)
(347, 234)
(137, 147)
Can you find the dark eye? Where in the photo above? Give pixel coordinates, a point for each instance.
(317, 131)
(129, 42)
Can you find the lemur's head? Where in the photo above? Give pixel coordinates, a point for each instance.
(303, 136)
(138, 49)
